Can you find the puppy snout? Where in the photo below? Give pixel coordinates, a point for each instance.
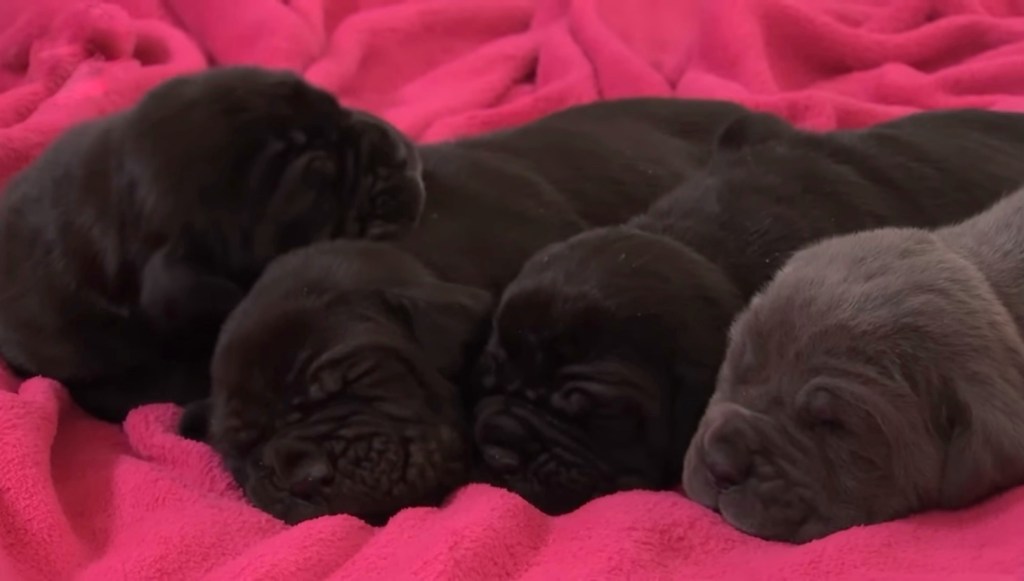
(502, 459)
(505, 443)
(301, 470)
(728, 454)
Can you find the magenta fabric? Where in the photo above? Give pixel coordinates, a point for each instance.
(86, 500)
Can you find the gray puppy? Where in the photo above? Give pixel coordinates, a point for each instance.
(877, 375)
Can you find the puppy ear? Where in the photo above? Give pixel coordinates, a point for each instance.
(195, 421)
(750, 130)
(444, 319)
(983, 454)
(177, 297)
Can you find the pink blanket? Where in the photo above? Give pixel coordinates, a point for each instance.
(82, 499)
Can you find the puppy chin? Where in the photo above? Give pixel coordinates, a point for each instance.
(286, 508)
(771, 511)
(541, 462)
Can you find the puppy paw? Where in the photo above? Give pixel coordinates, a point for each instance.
(389, 192)
(194, 423)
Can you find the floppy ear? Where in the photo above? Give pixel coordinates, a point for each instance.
(984, 455)
(176, 297)
(751, 129)
(195, 421)
(443, 318)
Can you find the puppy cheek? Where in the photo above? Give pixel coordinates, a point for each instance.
(696, 482)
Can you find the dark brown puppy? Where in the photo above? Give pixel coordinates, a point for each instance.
(335, 380)
(879, 374)
(605, 348)
(123, 247)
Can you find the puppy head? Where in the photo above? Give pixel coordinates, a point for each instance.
(600, 361)
(332, 388)
(229, 168)
(861, 385)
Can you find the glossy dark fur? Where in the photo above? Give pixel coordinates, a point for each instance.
(125, 244)
(606, 347)
(877, 375)
(336, 381)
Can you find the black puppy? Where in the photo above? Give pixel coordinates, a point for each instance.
(124, 246)
(335, 381)
(605, 349)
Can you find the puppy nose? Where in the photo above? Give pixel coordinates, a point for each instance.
(727, 454)
(310, 479)
(301, 470)
(505, 442)
(501, 459)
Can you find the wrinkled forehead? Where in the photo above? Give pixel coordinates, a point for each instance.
(263, 349)
(775, 345)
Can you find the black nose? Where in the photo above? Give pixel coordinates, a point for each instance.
(727, 454)
(311, 479)
(502, 459)
(300, 469)
(506, 443)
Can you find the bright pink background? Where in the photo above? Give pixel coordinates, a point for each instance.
(84, 499)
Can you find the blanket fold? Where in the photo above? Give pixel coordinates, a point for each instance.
(85, 500)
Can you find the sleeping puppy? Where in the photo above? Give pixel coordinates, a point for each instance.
(336, 381)
(605, 348)
(878, 375)
(125, 244)
(332, 383)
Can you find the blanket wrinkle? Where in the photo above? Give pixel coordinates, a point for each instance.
(80, 499)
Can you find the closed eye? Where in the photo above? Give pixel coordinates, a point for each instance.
(574, 400)
(329, 380)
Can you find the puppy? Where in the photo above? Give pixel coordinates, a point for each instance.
(332, 383)
(125, 244)
(877, 375)
(336, 381)
(605, 348)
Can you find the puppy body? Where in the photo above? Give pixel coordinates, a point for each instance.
(569, 362)
(492, 201)
(125, 244)
(496, 199)
(879, 374)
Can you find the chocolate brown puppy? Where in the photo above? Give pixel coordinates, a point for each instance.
(125, 244)
(336, 382)
(605, 348)
(878, 375)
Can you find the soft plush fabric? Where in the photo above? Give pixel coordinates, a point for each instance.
(82, 499)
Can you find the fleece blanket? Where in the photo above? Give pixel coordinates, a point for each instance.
(86, 500)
